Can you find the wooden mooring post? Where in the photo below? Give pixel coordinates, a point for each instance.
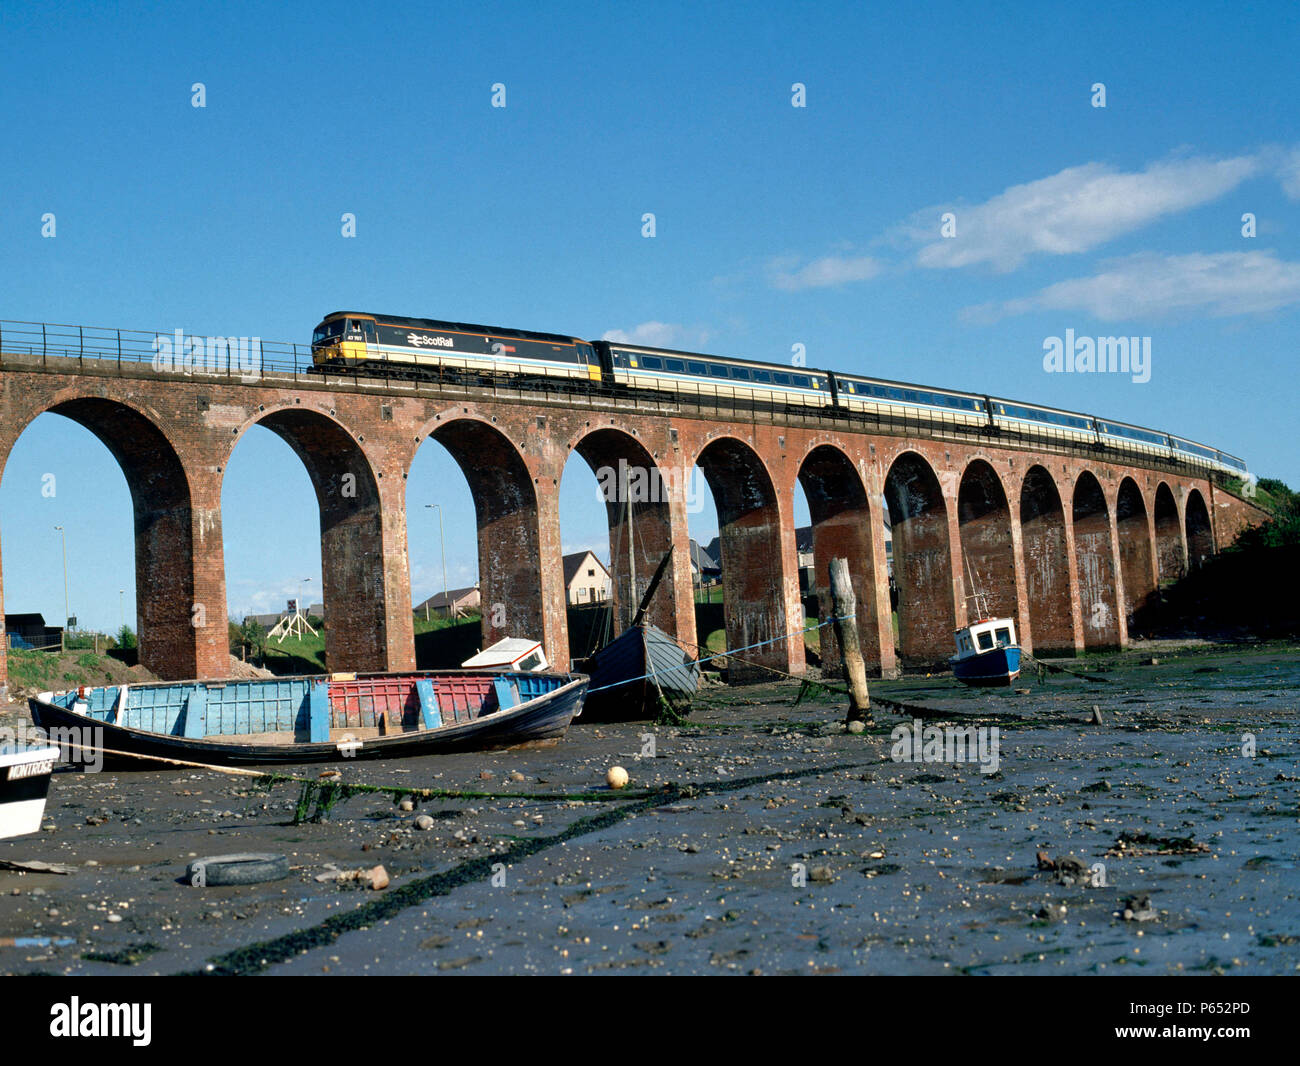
(844, 604)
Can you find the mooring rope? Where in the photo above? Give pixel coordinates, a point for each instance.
(721, 655)
(913, 709)
(327, 792)
(1063, 670)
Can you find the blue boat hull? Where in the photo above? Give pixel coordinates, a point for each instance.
(1000, 666)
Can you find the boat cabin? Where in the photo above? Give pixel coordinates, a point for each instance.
(986, 635)
(511, 653)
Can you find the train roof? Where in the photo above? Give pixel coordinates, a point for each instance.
(904, 384)
(1199, 444)
(730, 359)
(459, 327)
(1044, 407)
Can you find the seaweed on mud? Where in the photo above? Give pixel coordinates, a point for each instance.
(317, 798)
(1137, 844)
(127, 956)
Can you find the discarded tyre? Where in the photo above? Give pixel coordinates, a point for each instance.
(249, 869)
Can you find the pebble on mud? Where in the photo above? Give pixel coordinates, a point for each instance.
(424, 822)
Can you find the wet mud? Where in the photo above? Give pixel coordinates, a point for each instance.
(757, 837)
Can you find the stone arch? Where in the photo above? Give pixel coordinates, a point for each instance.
(359, 634)
(759, 585)
(510, 542)
(1171, 550)
(1200, 534)
(843, 527)
(637, 493)
(1095, 564)
(171, 644)
(1136, 549)
(918, 516)
(1047, 566)
(989, 559)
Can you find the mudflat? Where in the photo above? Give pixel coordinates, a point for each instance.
(757, 836)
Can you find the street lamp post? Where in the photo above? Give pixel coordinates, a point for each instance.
(443, 544)
(121, 610)
(67, 613)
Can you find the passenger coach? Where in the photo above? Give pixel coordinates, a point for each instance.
(713, 377)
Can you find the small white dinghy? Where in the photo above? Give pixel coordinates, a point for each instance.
(24, 783)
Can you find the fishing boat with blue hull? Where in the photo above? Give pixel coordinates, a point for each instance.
(987, 653)
(310, 719)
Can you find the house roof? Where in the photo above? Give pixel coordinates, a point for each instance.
(13, 621)
(265, 620)
(714, 551)
(573, 563)
(701, 559)
(452, 597)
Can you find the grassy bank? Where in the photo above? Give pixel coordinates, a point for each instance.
(40, 671)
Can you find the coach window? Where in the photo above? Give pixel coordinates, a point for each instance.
(651, 362)
(697, 368)
(675, 365)
(763, 376)
(717, 370)
(741, 372)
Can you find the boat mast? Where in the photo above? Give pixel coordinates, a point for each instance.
(631, 560)
(981, 601)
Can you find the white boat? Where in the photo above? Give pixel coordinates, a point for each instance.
(24, 783)
(510, 653)
(987, 652)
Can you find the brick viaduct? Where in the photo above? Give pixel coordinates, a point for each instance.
(1066, 540)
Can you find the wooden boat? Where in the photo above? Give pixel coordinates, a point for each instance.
(24, 783)
(632, 676)
(987, 653)
(311, 719)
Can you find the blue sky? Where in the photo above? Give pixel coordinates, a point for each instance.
(775, 225)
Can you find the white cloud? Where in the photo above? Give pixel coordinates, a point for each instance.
(1288, 173)
(658, 335)
(1218, 284)
(828, 271)
(1072, 211)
